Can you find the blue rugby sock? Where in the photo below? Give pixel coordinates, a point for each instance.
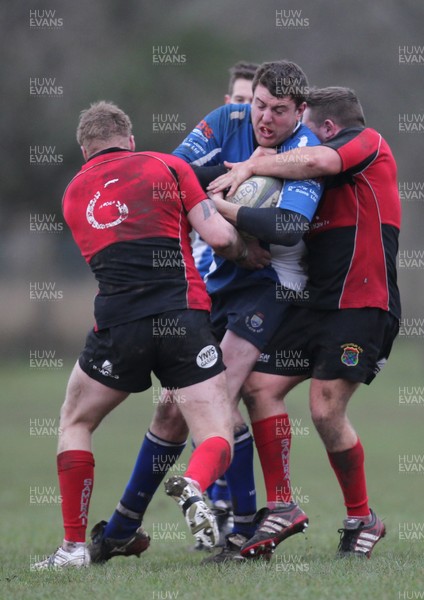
(241, 483)
(155, 458)
(219, 491)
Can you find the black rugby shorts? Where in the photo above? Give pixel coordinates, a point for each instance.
(177, 346)
(351, 344)
(254, 312)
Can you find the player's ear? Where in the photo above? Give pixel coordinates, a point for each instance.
(300, 109)
(132, 143)
(84, 153)
(330, 129)
(227, 99)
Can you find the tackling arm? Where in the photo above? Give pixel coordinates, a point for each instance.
(224, 238)
(272, 225)
(301, 163)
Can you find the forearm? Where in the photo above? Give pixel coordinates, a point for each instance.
(300, 163)
(222, 237)
(273, 225)
(227, 210)
(235, 250)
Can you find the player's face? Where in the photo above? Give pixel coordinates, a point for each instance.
(274, 119)
(242, 92)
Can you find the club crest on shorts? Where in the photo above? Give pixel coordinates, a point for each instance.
(350, 354)
(254, 323)
(207, 357)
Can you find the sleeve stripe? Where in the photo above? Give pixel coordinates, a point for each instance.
(204, 159)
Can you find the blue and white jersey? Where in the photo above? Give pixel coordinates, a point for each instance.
(227, 134)
(202, 254)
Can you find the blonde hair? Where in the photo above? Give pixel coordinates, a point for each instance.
(102, 122)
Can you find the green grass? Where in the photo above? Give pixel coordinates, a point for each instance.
(303, 567)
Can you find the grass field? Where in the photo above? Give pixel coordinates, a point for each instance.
(389, 416)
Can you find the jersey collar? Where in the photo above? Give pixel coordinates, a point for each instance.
(108, 151)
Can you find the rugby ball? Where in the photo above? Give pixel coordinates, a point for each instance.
(258, 192)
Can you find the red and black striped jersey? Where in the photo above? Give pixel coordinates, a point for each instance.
(127, 212)
(353, 239)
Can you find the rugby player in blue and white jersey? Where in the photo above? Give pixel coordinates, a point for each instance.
(246, 310)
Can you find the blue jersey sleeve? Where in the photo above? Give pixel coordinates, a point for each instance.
(202, 146)
(301, 196)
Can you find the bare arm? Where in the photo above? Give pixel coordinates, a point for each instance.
(301, 163)
(228, 210)
(223, 237)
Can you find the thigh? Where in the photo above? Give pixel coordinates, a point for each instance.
(239, 356)
(330, 397)
(87, 400)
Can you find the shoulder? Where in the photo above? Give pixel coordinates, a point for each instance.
(303, 136)
(167, 160)
(229, 116)
(238, 112)
(364, 135)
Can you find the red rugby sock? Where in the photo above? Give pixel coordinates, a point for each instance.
(209, 461)
(273, 441)
(75, 470)
(349, 467)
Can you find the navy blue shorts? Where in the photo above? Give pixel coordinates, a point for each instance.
(254, 312)
(177, 346)
(351, 344)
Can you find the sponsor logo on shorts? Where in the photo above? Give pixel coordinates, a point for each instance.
(254, 323)
(207, 357)
(106, 369)
(350, 354)
(264, 358)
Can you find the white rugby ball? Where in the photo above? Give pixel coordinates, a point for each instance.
(258, 192)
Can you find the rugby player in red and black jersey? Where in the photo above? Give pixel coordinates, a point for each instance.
(341, 331)
(130, 214)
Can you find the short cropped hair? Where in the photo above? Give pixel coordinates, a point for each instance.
(340, 104)
(101, 122)
(283, 78)
(241, 70)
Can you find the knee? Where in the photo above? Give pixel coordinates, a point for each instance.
(263, 396)
(168, 422)
(78, 410)
(253, 400)
(254, 392)
(321, 417)
(324, 409)
(249, 399)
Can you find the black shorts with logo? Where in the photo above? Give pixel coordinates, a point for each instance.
(351, 344)
(177, 346)
(253, 312)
